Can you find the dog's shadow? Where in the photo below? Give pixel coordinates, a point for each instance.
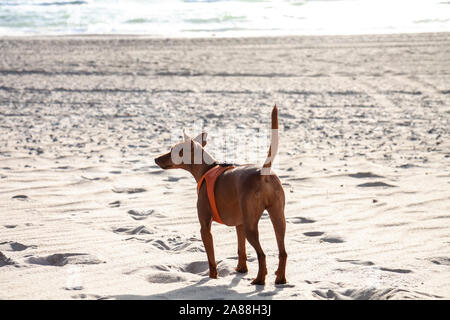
(207, 289)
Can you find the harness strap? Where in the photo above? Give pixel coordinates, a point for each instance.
(210, 177)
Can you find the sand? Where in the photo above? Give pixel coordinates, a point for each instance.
(364, 158)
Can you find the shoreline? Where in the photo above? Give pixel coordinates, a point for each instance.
(177, 38)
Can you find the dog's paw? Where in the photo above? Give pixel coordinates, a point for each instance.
(213, 274)
(241, 269)
(259, 281)
(280, 280)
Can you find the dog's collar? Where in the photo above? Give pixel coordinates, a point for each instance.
(210, 178)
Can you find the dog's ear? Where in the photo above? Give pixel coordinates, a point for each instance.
(186, 136)
(201, 138)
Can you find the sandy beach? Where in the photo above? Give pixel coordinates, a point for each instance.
(364, 159)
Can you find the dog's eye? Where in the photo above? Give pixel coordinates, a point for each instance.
(180, 153)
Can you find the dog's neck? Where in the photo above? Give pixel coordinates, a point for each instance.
(198, 170)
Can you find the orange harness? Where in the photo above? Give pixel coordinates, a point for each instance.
(210, 177)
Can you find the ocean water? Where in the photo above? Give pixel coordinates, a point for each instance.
(203, 18)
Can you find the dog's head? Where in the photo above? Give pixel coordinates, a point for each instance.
(185, 153)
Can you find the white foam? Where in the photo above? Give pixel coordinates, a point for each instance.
(176, 18)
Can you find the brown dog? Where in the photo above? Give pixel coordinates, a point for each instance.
(241, 194)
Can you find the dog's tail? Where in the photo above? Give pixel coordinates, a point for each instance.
(273, 149)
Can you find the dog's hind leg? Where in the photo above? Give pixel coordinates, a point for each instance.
(252, 235)
(251, 219)
(276, 213)
(242, 255)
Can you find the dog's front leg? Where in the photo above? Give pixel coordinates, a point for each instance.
(209, 247)
(205, 219)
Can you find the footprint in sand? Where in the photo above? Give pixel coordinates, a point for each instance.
(313, 233)
(174, 179)
(441, 261)
(224, 269)
(61, 259)
(5, 261)
(160, 244)
(361, 175)
(114, 204)
(407, 166)
(373, 294)
(201, 268)
(88, 296)
(63, 168)
(133, 230)
(21, 197)
(267, 294)
(176, 245)
(395, 270)
(128, 190)
(375, 184)
(297, 220)
(74, 288)
(197, 267)
(357, 262)
(159, 171)
(144, 214)
(165, 277)
(332, 240)
(173, 242)
(93, 178)
(14, 246)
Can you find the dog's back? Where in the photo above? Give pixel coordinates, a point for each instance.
(246, 183)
